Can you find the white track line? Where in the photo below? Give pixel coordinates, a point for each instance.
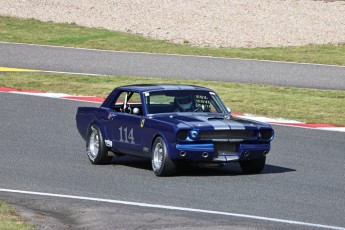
(174, 208)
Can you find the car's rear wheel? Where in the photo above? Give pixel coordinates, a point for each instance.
(253, 166)
(95, 147)
(162, 165)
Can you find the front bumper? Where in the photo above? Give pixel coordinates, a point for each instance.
(220, 152)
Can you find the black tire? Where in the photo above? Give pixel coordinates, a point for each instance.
(253, 166)
(96, 149)
(162, 165)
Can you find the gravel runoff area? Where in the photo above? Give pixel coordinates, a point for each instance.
(212, 23)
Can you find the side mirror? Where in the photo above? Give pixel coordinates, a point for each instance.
(229, 110)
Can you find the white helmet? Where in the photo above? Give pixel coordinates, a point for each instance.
(184, 102)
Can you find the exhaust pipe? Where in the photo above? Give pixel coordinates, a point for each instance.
(183, 153)
(204, 154)
(246, 154)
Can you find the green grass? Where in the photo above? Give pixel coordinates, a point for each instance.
(10, 220)
(308, 105)
(37, 32)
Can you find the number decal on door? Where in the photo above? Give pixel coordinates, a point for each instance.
(125, 136)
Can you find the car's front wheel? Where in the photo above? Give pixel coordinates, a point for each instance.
(253, 166)
(162, 165)
(95, 147)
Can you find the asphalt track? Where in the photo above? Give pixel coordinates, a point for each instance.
(73, 60)
(41, 151)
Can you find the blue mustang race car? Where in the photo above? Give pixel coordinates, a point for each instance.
(170, 124)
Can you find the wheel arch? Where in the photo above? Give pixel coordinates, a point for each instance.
(97, 153)
(169, 143)
(159, 134)
(162, 164)
(101, 127)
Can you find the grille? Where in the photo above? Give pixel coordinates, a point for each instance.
(226, 134)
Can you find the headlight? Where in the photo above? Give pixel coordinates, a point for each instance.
(193, 135)
(187, 135)
(267, 134)
(182, 135)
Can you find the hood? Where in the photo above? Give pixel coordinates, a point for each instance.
(210, 122)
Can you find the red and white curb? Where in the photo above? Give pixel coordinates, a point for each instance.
(285, 122)
(275, 121)
(52, 95)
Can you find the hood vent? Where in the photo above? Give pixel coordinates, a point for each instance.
(215, 118)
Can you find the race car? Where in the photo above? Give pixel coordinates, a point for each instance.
(171, 124)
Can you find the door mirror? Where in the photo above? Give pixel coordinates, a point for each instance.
(229, 110)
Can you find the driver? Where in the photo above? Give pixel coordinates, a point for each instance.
(184, 103)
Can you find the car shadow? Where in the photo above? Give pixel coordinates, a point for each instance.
(271, 169)
(230, 169)
(132, 161)
(189, 169)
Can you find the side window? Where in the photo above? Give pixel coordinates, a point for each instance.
(128, 102)
(118, 106)
(159, 103)
(135, 99)
(161, 99)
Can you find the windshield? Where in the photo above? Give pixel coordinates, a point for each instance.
(183, 101)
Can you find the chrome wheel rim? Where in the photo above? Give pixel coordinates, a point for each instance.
(158, 156)
(94, 143)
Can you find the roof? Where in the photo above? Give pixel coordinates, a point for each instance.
(142, 88)
(155, 87)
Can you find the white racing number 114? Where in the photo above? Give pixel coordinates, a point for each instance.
(126, 136)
